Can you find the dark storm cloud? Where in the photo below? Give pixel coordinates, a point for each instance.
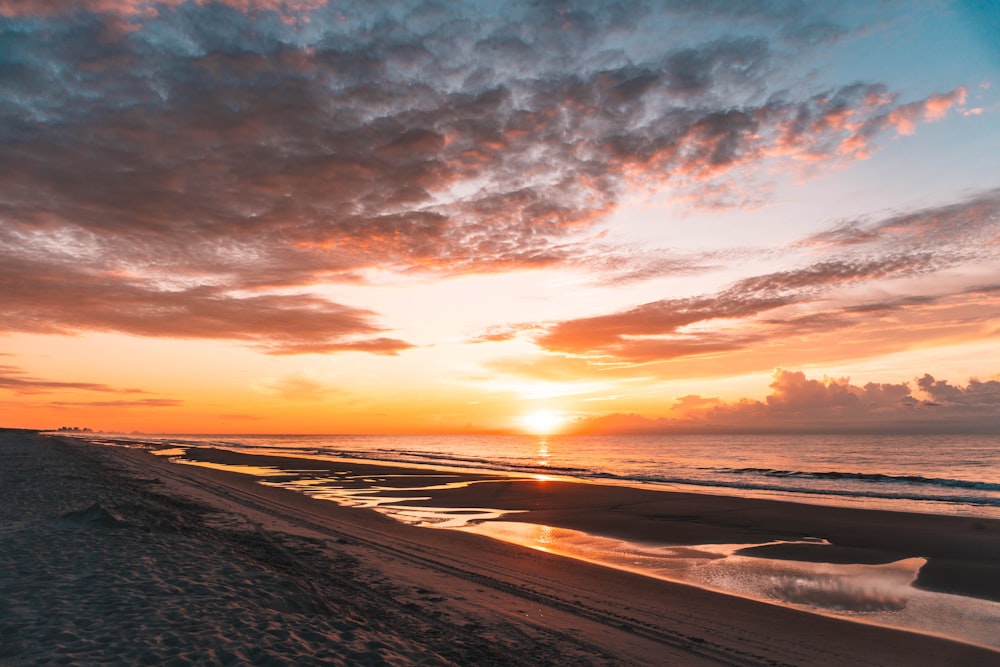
(180, 154)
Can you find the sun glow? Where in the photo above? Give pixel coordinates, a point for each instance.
(542, 422)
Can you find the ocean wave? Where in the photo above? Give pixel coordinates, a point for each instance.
(874, 485)
(455, 460)
(884, 494)
(879, 478)
(826, 484)
(880, 486)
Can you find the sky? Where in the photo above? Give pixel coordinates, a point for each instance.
(311, 216)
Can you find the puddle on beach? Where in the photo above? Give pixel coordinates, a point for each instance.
(176, 455)
(349, 490)
(256, 471)
(395, 506)
(169, 452)
(876, 594)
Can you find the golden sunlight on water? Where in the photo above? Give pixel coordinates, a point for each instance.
(881, 594)
(543, 452)
(543, 537)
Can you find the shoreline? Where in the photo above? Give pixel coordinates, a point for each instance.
(402, 593)
(859, 485)
(963, 553)
(914, 572)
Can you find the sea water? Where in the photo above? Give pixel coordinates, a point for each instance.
(938, 474)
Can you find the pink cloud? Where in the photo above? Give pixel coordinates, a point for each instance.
(827, 128)
(937, 106)
(904, 118)
(800, 404)
(802, 308)
(659, 330)
(145, 8)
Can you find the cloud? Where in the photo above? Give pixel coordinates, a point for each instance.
(16, 380)
(498, 334)
(832, 292)
(146, 8)
(977, 395)
(800, 404)
(904, 118)
(297, 388)
(140, 403)
(661, 329)
(794, 394)
(54, 299)
(845, 234)
(212, 162)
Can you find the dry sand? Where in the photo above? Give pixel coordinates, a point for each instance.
(111, 555)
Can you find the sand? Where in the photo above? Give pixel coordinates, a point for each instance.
(114, 555)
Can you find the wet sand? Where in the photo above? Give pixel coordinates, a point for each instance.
(115, 554)
(963, 553)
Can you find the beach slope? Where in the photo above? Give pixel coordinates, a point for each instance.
(112, 554)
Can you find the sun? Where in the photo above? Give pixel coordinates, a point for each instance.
(542, 422)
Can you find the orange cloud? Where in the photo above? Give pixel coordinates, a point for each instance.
(759, 310)
(140, 403)
(54, 298)
(800, 404)
(15, 380)
(658, 330)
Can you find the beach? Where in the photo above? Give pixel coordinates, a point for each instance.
(112, 554)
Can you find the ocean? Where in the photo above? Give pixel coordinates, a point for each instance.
(937, 474)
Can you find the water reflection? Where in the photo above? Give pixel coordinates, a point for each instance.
(543, 537)
(876, 594)
(543, 452)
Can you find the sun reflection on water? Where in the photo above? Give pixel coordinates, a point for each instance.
(543, 452)
(543, 537)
